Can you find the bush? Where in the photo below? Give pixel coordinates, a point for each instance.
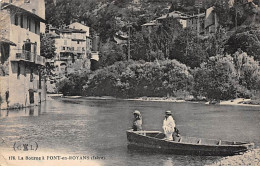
(226, 77)
(73, 85)
(247, 39)
(216, 79)
(136, 79)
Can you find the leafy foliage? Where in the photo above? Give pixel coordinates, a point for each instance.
(73, 85)
(188, 49)
(217, 79)
(227, 77)
(246, 39)
(156, 43)
(111, 53)
(47, 46)
(131, 79)
(248, 71)
(163, 56)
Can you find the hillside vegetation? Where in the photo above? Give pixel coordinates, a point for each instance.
(169, 60)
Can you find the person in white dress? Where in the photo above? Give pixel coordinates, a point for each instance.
(168, 125)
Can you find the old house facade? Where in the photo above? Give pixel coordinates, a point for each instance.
(194, 22)
(23, 84)
(71, 46)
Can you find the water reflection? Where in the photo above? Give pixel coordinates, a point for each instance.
(29, 111)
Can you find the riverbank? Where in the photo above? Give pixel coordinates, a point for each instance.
(240, 102)
(250, 158)
(158, 99)
(234, 102)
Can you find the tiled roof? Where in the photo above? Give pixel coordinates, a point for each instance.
(19, 9)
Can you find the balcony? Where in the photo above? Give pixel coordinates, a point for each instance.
(65, 57)
(80, 51)
(26, 56)
(22, 55)
(40, 60)
(66, 49)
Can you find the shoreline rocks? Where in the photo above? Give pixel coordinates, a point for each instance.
(250, 158)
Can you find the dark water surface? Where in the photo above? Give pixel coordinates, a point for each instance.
(98, 127)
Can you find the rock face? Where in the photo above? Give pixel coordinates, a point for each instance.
(250, 158)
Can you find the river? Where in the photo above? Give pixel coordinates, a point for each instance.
(98, 127)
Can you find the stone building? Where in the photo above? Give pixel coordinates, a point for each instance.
(71, 46)
(194, 22)
(22, 82)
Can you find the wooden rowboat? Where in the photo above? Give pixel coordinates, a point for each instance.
(154, 141)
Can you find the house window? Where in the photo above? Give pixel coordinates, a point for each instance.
(27, 1)
(21, 21)
(29, 24)
(36, 27)
(7, 96)
(35, 48)
(78, 42)
(31, 75)
(16, 19)
(40, 80)
(18, 71)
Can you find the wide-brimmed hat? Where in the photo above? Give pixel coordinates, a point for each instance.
(137, 112)
(168, 112)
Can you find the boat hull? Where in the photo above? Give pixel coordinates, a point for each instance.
(142, 142)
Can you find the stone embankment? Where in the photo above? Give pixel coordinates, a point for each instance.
(250, 158)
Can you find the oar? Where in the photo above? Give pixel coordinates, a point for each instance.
(156, 135)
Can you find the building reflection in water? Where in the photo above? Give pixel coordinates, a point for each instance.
(29, 111)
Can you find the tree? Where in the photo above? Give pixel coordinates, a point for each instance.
(248, 70)
(138, 78)
(47, 50)
(47, 46)
(214, 44)
(223, 12)
(73, 85)
(216, 79)
(188, 49)
(111, 53)
(246, 39)
(141, 46)
(156, 43)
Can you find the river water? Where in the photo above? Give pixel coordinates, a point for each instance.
(98, 127)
